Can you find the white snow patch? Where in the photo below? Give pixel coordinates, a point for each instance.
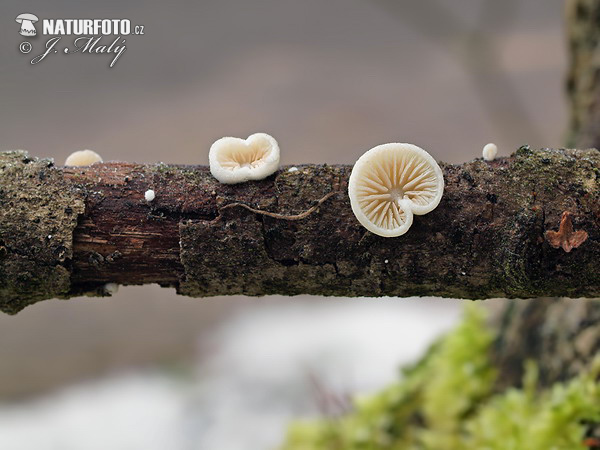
(254, 381)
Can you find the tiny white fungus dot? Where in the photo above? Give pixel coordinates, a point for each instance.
(489, 151)
(111, 288)
(83, 158)
(293, 169)
(149, 195)
(386, 261)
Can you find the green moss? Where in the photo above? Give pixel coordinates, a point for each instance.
(446, 401)
(526, 418)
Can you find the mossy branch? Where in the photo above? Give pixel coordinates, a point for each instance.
(69, 231)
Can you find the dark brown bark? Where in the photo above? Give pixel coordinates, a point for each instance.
(485, 239)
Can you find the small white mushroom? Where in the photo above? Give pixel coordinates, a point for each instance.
(489, 151)
(390, 183)
(293, 169)
(83, 158)
(233, 160)
(149, 195)
(111, 288)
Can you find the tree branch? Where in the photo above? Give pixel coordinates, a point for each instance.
(70, 231)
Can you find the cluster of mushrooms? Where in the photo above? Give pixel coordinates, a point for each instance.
(388, 185)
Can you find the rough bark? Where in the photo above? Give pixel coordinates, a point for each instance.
(70, 231)
(39, 210)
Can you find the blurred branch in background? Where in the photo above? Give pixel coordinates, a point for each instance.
(584, 72)
(475, 50)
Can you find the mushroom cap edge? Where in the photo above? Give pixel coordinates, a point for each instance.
(242, 174)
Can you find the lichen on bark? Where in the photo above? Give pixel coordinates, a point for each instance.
(545, 184)
(243, 252)
(38, 215)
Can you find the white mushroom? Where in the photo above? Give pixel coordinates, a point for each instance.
(27, 20)
(233, 160)
(149, 195)
(83, 158)
(111, 288)
(390, 183)
(489, 151)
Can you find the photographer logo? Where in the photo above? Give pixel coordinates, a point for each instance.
(91, 36)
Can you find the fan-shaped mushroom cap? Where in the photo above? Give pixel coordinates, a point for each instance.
(390, 183)
(83, 158)
(233, 160)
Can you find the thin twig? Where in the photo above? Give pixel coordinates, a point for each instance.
(301, 216)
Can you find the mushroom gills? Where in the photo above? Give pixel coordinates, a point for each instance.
(390, 183)
(233, 156)
(234, 160)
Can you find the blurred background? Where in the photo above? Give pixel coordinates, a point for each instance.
(146, 369)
